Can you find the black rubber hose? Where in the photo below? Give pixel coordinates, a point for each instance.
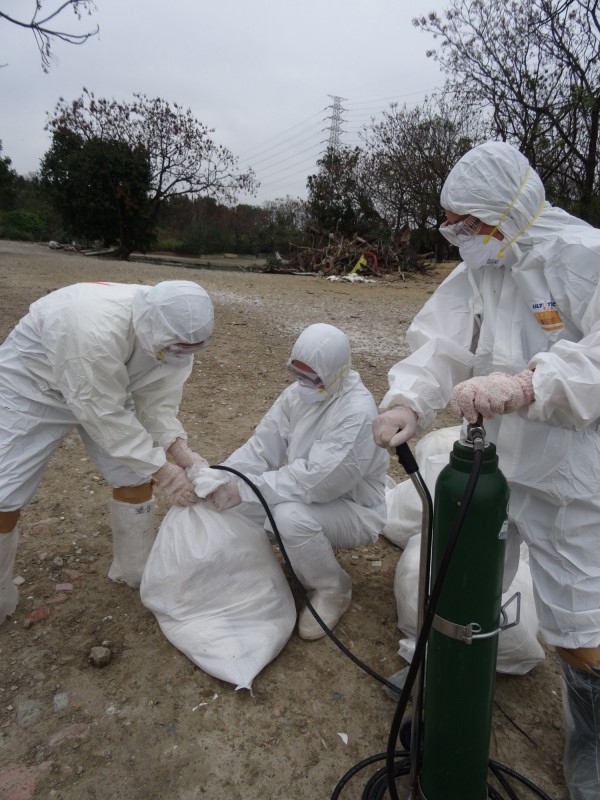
(329, 633)
(434, 596)
(385, 778)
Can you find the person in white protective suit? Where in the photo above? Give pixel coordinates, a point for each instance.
(514, 334)
(109, 360)
(313, 458)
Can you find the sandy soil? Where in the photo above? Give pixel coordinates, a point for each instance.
(151, 725)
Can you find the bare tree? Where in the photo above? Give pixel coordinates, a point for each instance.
(184, 159)
(42, 24)
(407, 155)
(534, 67)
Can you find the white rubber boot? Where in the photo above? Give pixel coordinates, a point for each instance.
(133, 536)
(329, 607)
(329, 587)
(9, 594)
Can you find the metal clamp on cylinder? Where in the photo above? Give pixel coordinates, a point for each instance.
(503, 615)
(468, 633)
(464, 633)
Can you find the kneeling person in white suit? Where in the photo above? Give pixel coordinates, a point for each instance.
(110, 361)
(313, 458)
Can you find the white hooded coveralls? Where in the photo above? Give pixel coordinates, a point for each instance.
(91, 356)
(316, 464)
(539, 311)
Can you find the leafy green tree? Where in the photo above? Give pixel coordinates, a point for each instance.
(31, 196)
(408, 154)
(8, 180)
(101, 188)
(203, 226)
(286, 224)
(534, 67)
(184, 160)
(289, 213)
(22, 225)
(196, 226)
(42, 24)
(337, 199)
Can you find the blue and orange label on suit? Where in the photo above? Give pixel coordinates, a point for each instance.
(547, 315)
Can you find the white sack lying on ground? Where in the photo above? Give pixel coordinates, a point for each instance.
(218, 592)
(518, 648)
(404, 507)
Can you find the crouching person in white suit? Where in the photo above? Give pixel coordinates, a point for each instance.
(109, 360)
(313, 458)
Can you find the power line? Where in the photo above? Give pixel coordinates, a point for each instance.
(396, 97)
(277, 135)
(287, 159)
(264, 158)
(255, 164)
(287, 177)
(362, 115)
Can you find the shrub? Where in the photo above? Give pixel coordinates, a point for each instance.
(167, 244)
(22, 225)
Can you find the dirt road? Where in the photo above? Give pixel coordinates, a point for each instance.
(151, 725)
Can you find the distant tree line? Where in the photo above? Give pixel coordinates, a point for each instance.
(146, 173)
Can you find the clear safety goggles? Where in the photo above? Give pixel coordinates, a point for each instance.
(186, 349)
(470, 226)
(306, 378)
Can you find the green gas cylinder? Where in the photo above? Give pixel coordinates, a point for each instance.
(462, 646)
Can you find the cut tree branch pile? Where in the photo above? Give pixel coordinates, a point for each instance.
(334, 254)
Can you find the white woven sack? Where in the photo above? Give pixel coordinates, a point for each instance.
(218, 592)
(404, 506)
(518, 648)
(403, 503)
(404, 512)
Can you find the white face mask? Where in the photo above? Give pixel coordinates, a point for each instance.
(310, 394)
(477, 251)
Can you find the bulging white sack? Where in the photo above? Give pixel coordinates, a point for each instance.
(404, 507)
(218, 592)
(518, 648)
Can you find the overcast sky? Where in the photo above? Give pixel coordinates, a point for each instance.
(261, 73)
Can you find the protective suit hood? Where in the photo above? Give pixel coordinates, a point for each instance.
(495, 183)
(326, 350)
(172, 312)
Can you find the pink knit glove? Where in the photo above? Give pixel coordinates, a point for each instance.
(176, 485)
(226, 496)
(493, 394)
(183, 456)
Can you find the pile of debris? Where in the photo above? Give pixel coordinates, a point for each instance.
(333, 254)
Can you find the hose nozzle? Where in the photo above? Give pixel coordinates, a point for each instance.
(476, 434)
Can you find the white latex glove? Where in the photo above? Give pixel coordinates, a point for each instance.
(183, 456)
(395, 426)
(176, 485)
(226, 496)
(493, 394)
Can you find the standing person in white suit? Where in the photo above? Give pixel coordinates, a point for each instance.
(514, 334)
(110, 361)
(313, 458)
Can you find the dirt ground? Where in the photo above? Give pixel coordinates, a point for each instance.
(151, 725)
